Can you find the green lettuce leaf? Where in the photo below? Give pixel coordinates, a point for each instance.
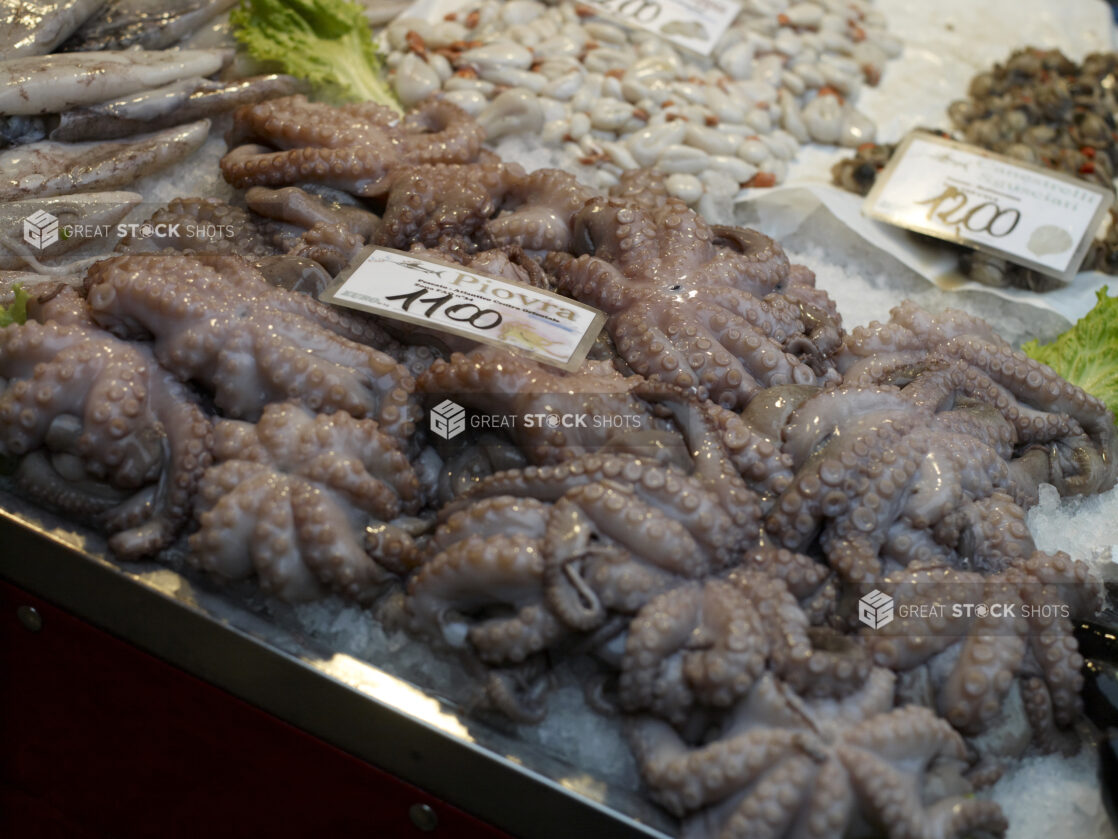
(1087, 354)
(327, 42)
(17, 312)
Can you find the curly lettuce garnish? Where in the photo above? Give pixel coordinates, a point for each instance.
(1087, 354)
(17, 311)
(327, 42)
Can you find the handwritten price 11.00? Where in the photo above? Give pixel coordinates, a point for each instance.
(477, 318)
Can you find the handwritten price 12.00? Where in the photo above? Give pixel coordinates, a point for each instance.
(950, 207)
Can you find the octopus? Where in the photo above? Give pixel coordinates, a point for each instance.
(881, 482)
(281, 226)
(356, 148)
(463, 208)
(444, 205)
(100, 431)
(1063, 435)
(498, 382)
(621, 528)
(214, 320)
(480, 593)
(305, 225)
(707, 644)
(786, 765)
(972, 665)
(529, 558)
(696, 306)
(192, 225)
(306, 503)
(483, 581)
(539, 210)
(297, 240)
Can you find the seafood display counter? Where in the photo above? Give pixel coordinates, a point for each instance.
(526, 436)
(369, 749)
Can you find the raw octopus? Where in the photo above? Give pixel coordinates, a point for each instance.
(283, 232)
(566, 547)
(215, 320)
(353, 147)
(99, 429)
(789, 766)
(983, 661)
(305, 501)
(717, 310)
(709, 576)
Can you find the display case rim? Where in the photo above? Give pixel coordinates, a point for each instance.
(494, 777)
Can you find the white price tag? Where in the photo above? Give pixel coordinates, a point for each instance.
(1034, 217)
(695, 25)
(448, 298)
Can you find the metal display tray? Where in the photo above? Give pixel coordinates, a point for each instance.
(388, 722)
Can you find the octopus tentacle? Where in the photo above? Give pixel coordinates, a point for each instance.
(301, 500)
(532, 629)
(355, 147)
(1032, 381)
(426, 204)
(109, 414)
(438, 131)
(788, 781)
(197, 307)
(538, 212)
(474, 574)
(1037, 700)
(695, 643)
(683, 779)
(971, 695)
(518, 692)
(489, 517)
(758, 459)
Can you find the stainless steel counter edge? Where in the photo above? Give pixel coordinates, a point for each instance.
(48, 559)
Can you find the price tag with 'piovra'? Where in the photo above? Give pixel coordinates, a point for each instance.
(695, 25)
(448, 298)
(1034, 217)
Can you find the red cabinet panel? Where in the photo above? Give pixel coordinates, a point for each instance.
(100, 739)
